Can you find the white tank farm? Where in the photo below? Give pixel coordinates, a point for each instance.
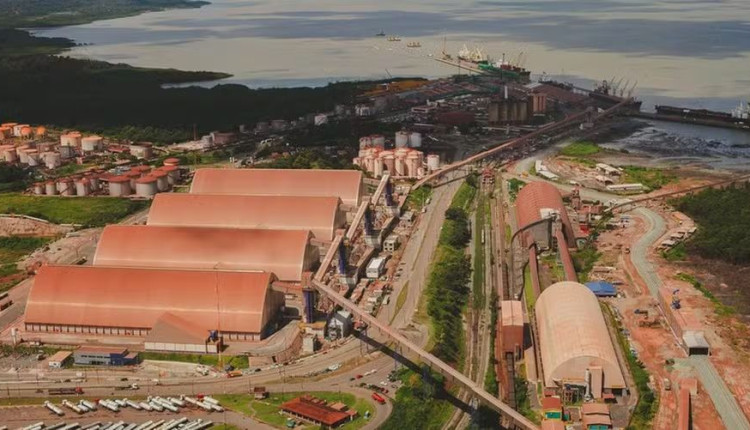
(52, 160)
(402, 139)
(82, 187)
(50, 188)
(119, 186)
(146, 186)
(162, 180)
(91, 143)
(433, 162)
(415, 140)
(71, 139)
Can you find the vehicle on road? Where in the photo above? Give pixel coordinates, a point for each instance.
(61, 391)
(378, 398)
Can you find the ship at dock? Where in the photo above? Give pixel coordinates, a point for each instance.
(476, 60)
(739, 117)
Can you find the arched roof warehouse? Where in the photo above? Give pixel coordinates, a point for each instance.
(536, 196)
(573, 336)
(320, 215)
(286, 253)
(344, 184)
(87, 296)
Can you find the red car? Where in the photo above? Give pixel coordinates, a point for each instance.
(378, 398)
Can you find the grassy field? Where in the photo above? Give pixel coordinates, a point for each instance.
(87, 211)
(652, 179)
(514, 186)
(401, 299)
(417, 199)
(267, 410)
(13, 249)
(238, 361)
(419, 403)
(580, 149)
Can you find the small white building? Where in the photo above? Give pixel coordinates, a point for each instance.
(390, 244)
(340, 325)
(375, 267)
(60, 359)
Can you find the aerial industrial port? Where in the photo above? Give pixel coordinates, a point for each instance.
(243, 285)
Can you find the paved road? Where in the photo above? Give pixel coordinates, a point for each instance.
(726, 405)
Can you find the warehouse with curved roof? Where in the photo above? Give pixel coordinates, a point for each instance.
(538, 200)
(320, 215)
(129, 302)
(344, 184)
(286, 253)
(574, 341)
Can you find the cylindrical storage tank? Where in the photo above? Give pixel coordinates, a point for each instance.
(18, 129)
(26, 132)
(377, 168)
(365, 142)
(142, 169)
(433, 162)
(91, 143)
(400, 168)
(45, 146)
(51, 159)
(39, 188)
(420, 172)
(402, 139)
(415, 140)
(66, 187)
(369, 161)
(67, 151)
(162, 180)
(173, 174)
(10, 155)
(133, 175)
(70, 139)
(119, 186)
(378, 140)
(172, 162)
(146, 186)
(40, 131)
(33, 157)
(94, 183)
(82, 187)
(50, 188)
(389, 163)
(23, 156)
(412, 164)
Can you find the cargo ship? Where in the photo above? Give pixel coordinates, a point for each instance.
(475, 60)
(738, 118)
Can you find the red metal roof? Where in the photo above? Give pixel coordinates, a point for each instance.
(538, 195)
(316, 410)
(137, 298)
(286, 253)
(344, 184)
(321, 215)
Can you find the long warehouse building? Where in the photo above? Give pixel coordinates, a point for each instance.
(286, 253)
(539, 200)
(347, 185)
(320, 215)
(574, 342)
(115, 301)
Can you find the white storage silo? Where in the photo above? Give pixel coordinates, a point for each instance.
(10, 155)
(119, 186)
(400, 166)
(50, 188)
(133, 175)
(23, 156)
(33, 157)
(389, 162)
(377, 168)
(412, 164)
(173, 174)
(66, 187)
(415, 140)
(402, 139)
(433, 162)
(172, 162)
(39, 188)
(82, 187)
(420, 173)
(146, 186)
(52, 160)
(162, 182)
(91, 143)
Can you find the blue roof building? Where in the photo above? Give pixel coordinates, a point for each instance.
(602, 288)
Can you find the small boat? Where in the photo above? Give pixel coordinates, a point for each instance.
(381, 34)
(413, 45)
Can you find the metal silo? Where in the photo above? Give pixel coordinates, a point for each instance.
(402, 139)
(146, 186)
(415, 140)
